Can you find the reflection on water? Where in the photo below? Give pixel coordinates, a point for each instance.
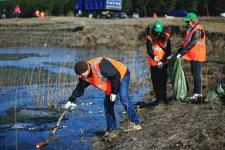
(24, 130)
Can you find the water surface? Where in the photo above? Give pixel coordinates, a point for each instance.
(27, 120)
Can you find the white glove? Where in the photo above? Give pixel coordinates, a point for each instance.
(156, 59)
(112, 97)
(178, 56)
(69, 104)
(160, 65)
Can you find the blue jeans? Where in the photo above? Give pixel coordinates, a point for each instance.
(126, 102)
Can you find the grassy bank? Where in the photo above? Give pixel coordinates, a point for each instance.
(84, 32)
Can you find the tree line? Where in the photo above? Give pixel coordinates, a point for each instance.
(162, 7)
(28, 7)
(145, 8)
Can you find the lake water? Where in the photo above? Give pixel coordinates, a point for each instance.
(26, 123)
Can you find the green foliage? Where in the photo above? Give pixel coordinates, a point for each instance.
(143, 7)
(28, 7)
(127, 5)
(162, 7)
(8, 6)
(191, 5)
(216, 6)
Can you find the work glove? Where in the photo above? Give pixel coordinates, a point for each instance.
(112, 97)
(178, 56)
(160, 65)
(69, 104)
(156, 59)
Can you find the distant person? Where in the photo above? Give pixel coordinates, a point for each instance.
(3, 15)
(194, 50)
(158, 49)
(17, 11)
(113, 78)
(37, 13)
(42, 13)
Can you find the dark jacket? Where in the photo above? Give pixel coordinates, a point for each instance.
(108, 71)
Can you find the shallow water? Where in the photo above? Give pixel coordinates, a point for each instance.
(24, 114)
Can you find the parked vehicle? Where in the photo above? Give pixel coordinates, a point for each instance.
(98, 6)
(123, 15)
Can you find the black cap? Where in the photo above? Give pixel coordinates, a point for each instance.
(80, 67)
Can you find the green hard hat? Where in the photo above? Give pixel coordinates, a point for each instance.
(158, 26)
(190, 16)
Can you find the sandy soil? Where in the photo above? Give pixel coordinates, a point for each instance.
(179, 125)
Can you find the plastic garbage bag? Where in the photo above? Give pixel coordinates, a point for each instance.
(216, 92)
(177, 78)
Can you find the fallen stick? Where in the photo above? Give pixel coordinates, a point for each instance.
(44, 143)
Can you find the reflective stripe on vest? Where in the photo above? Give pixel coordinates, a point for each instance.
(97, 79)
(96, 64)
(203, 43)
(122, 69)
(157, 50)
(198, 51)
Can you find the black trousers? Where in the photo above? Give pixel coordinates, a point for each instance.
(159, 80)
(196, 67)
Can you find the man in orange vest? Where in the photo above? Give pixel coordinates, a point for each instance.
(113, 78)
(194, 50)
(158, 49)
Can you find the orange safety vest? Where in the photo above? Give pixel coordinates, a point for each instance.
(97, 79)
(197, 52)
(157, 50)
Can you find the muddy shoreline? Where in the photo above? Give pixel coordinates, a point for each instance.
(179, 125)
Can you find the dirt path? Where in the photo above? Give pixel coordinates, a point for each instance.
(176, 126)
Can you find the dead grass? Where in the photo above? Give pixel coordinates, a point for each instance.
(84, 32)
